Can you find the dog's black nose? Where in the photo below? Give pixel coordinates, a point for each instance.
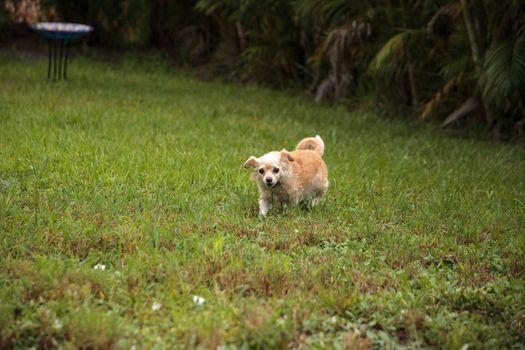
(268, 180)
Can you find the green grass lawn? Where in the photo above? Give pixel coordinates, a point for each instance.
(418, 244)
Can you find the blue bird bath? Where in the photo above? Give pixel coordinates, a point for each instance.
(59, 36)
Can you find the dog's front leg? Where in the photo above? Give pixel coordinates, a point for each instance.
(264, 206)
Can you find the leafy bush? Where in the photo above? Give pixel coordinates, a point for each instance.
(3, 19)
(451, 61)
(117, 24)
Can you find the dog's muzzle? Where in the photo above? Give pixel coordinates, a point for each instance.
(271, 184)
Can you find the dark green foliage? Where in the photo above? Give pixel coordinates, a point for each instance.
(125, 23)
(180, 29)
(503, 77)
(3, 19)
(447, 60)
(265, 37)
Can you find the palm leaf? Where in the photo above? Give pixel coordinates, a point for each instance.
(391, 59)
(503, 73)
(438, 99)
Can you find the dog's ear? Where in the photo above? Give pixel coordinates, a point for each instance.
(250, 163)
(286, 155)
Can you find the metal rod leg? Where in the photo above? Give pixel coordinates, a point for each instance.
(55, 54)
(65, 60)
(60, 54)
(49, 59)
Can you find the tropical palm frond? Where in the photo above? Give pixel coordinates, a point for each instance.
(440, 96)
(390, 56)
(391, 59)
(504, 17)
(214, 7)
(457, 66)
(440, 23)
(330, 12)
(503, 73)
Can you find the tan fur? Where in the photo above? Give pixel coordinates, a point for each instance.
(299, 174)
(315, 144)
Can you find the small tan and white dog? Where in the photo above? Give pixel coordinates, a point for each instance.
(291, 177)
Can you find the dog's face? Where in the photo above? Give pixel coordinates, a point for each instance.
(270, 168)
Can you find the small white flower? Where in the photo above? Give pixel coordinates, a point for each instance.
(156, 306)
(72, 293)
(296, 231)
(198, 300)
(99, 266)
(57, 324)
(334, 319)
(133, 347)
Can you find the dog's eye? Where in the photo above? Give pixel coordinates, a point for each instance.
(261, 171)
(275, 170)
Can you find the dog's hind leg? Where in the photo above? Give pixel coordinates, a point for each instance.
(319, 194)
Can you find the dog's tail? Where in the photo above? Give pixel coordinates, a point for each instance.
(315, 144)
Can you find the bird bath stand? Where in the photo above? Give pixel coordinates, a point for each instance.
(59, 36)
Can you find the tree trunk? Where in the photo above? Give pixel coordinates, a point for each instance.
(241, 35)
(410, 69)
(413, 88)
(469, 24)
(480, 18)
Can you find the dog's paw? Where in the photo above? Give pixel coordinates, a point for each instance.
(315, 201)
(264, 207)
